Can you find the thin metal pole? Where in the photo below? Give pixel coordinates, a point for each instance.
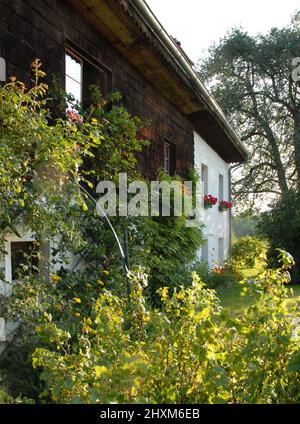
(126, 251)
(98, 207)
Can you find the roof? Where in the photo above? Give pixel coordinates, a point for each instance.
(134, 30)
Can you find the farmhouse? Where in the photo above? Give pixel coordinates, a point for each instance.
(120, 45)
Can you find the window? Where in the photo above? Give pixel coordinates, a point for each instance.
(221, 249)
(204, 251)
(2, 69)
(23, 254)
(221, 187)
(204, 178)
(169, 158)
(74, 82)
(82, 71)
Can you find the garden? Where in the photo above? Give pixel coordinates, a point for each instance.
(170, 329)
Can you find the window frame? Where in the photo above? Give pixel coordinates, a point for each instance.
(2, 69)
(171, 157)
(204, 179)
(221, 246)
(221, 187)
(74, 50)
(205, 246)
(167, 159)
(13, 238)
(70, 52)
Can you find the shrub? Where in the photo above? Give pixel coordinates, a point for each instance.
(18, 373)
(281, 225)
(169, 247)
(187, 352)
(164, 246)
(6, 398)
(217, 276)
(248, 251)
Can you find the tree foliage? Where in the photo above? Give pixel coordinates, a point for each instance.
(281, 224)
(251, 77)
(247, 251)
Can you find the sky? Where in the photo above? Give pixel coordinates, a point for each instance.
(199, 23)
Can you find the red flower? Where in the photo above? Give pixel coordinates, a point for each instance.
(226, 205)
(74, 117)
(210, 200)
(219, 270)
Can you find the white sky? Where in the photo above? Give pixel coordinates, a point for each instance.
(198, 23)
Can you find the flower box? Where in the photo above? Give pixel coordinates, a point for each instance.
(224, 206)
(209, 201)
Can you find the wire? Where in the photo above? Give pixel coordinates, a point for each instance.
(104, 215)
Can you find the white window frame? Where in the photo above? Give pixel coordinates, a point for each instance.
(12, 238)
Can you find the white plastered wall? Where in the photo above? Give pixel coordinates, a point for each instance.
(217, 224)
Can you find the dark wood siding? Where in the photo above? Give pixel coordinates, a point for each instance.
(41, 28)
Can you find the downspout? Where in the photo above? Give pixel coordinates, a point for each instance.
(230, 169)
(230, 213)
(143, 9)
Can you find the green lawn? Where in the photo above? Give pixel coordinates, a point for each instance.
(296, 292)
(232, 300)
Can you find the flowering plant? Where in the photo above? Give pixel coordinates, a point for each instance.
(209, 201)
(218, 269)
(74, 117)
(224, 205)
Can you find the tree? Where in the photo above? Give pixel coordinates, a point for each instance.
(252, 79)
(281, 224)
(244, 225)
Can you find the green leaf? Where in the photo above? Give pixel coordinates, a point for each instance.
(294, 364)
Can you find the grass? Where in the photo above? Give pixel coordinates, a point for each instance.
(234, 303)
(296, 293)
(232, 300)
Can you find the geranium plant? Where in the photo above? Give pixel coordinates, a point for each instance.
(209, 201)
(224, 205)
(218, 269)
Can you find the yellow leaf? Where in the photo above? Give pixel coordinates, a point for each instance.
(76, 300)
(87, 329)
(99, 370)
(204, 313)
